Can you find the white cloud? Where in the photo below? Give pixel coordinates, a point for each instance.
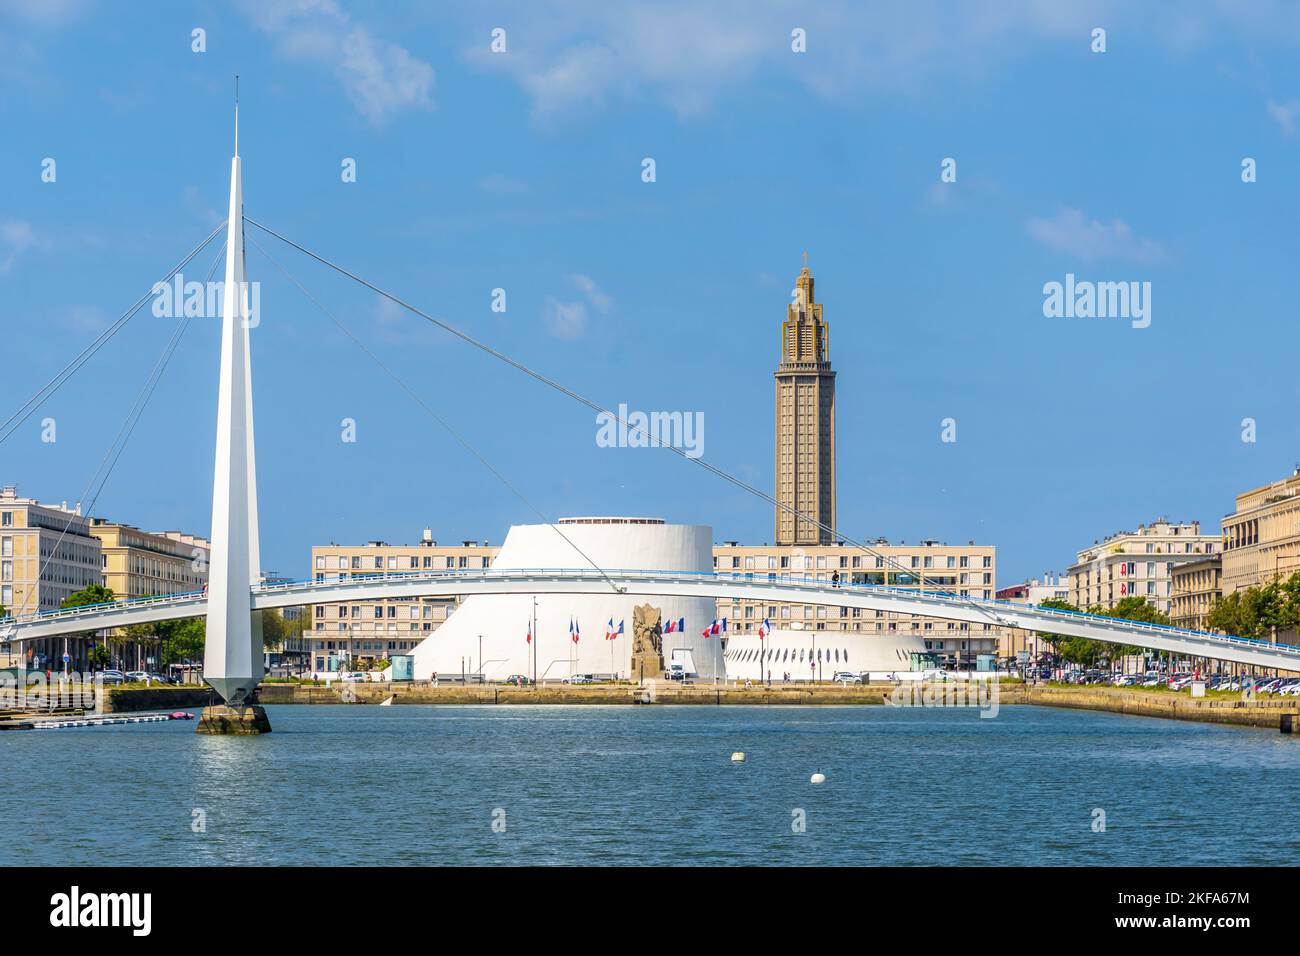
(1073, 233)
(581, 55)
(1287, 115)
(16, 238)
(565, 320)
(574, 57)
(568, 320)
(598, 299)
(44, 13)
(380, 78)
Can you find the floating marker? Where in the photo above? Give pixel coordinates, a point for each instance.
(738, 757)
(818, 778)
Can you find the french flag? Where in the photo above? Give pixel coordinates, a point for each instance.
(711, 629)
(528, 639)
(764, 629)
(673, 626)
(620, 629)
(610, 633)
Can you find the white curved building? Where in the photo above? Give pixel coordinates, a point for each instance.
(502, 621)
(805, 653)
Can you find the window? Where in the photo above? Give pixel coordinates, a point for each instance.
(6, 519)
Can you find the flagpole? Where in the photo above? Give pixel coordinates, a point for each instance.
(534, 642)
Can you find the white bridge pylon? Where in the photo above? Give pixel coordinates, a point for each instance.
(232, 656)
(1182, 643)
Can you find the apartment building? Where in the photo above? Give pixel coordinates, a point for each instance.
(1137, 563)
(1261, 538)
(367, 631)
(969, 570)
(1197, 585)
(47, 553)
(139, 563)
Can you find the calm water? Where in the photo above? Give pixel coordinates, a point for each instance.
(626, 785)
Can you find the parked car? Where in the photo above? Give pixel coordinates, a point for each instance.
(137, 676)
(112, 677)
(578, 679)
(354, 677)
(518, 679)
(847, 677)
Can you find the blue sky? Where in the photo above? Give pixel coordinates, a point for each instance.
(522, 171)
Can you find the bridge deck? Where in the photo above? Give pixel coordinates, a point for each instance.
(735, 585)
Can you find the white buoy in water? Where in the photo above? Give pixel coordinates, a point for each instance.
(387, 702)
(738, 757)
(818, 778)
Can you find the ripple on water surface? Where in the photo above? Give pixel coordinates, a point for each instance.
(624, 785)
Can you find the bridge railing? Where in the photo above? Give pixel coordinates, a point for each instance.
(798, 582)
(55, 613)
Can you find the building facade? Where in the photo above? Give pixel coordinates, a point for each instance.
(1197, 585)
(805, 423)
(968, 570)
(139, 563)
(362, 632)
(1137, 563)
(47, 554)
(1261, 539)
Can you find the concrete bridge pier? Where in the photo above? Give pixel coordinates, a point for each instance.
(238, 720)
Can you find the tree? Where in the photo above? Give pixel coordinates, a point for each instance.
(274, 630)
(91, 594)
(1258, 612)
(183, 641)
(1075, 650)
(1089, 653)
